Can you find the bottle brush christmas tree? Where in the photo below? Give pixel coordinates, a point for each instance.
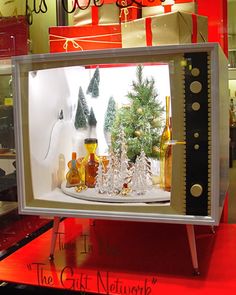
(110, 114)
(141, 121)
(90, 86)
(93, 87)
(97, 74)
(80, 118)
(95, 90)
(92, 123)
(92, 119)
(83, 101)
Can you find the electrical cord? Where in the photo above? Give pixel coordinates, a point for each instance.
(60, 117)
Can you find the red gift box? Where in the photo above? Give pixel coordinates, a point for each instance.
(13, 36)
(97, 15)
(129, 13)
(110, 12)
(71, 38)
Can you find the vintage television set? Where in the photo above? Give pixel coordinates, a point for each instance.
(61, 108)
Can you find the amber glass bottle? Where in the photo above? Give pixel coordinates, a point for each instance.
(73, 176)
(91, 146)
(165, 137)
(91, 170)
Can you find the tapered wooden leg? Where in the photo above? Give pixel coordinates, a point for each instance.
(213, 229)
(92, 222)
(192, 246)
(56, 223)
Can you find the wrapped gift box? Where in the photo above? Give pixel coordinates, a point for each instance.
(185, 7)
(73, 38)
(94, 15)
(13, 36)
(152, 10)
(160, 9)
(107, 14)
(169, 28)
(129, 13)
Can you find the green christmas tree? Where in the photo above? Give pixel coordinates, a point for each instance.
(141, 120)
(80, 118)
(95, 90)
(90, 86)
(93, 87)
(97, 74)
(92, 119)
(110, 114)
(92, 124)
(83, 101)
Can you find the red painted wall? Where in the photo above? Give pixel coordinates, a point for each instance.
(216, 10)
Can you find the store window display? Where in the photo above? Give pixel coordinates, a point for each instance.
(63, 108)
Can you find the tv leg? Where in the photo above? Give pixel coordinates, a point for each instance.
(213, 231)
(92, 222)
(192, 246)
(56, 223)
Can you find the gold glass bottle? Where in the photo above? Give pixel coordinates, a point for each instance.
(91, 147)
(168, 163)
(73, 175)
(168, 168)
(165, 137)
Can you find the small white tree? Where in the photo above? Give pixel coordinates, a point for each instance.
(109, 176)
(100, 180)
(124, 173)
(142, 178)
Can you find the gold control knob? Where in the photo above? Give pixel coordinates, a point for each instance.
(195, 87)
(195, 72)
(196, 106)
(196, 190)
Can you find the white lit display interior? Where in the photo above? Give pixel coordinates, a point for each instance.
(53, 96)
